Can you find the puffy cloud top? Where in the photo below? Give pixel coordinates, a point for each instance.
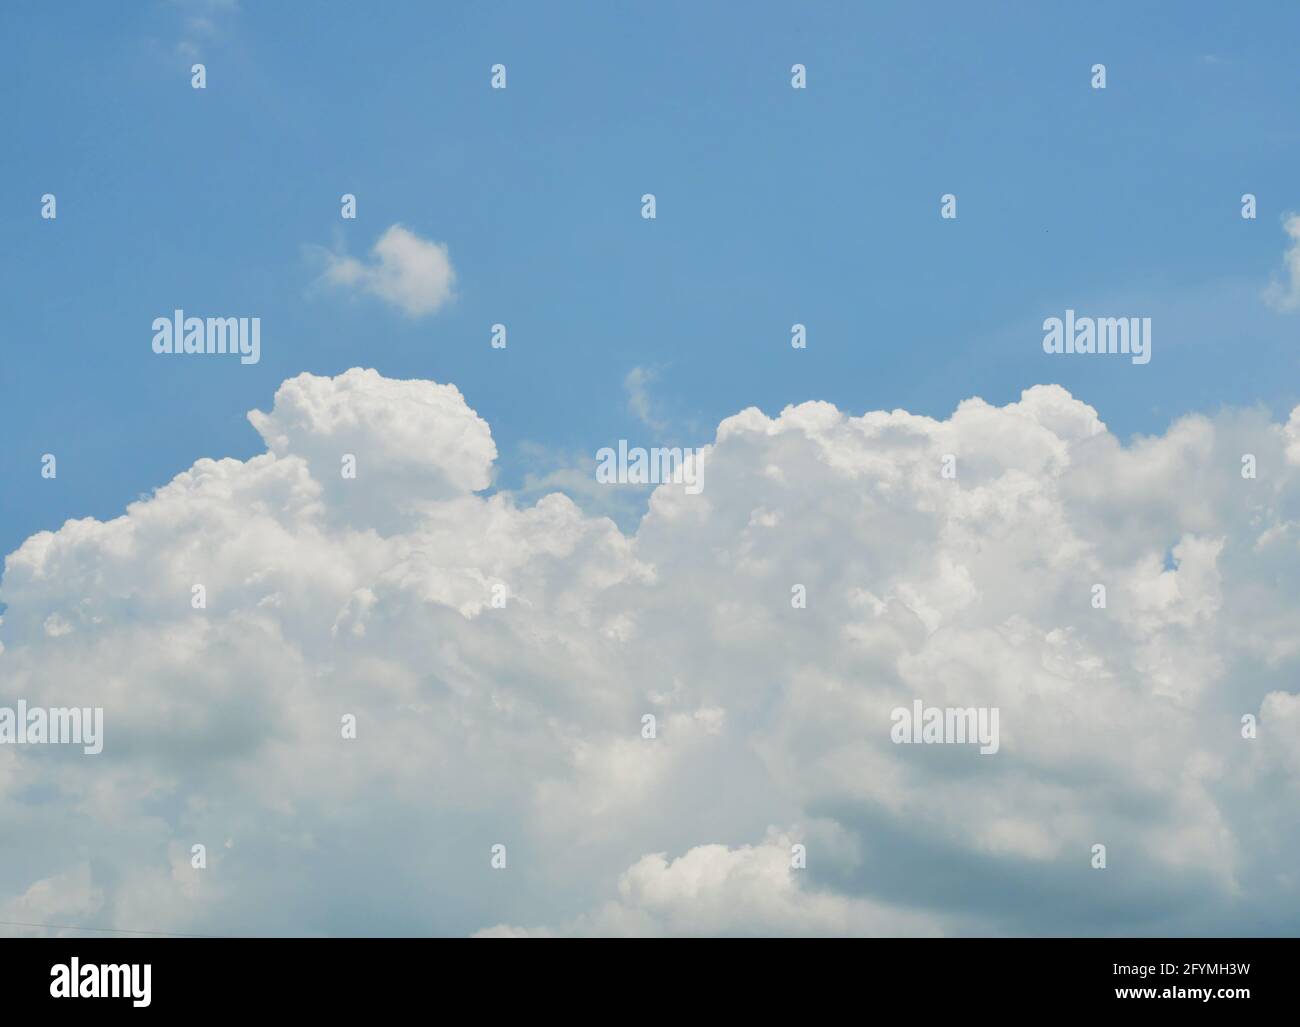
(413, 440)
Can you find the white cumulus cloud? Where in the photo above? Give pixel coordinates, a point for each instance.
(413, 274)
(500, 657)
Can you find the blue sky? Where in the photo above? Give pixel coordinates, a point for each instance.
(775, 206)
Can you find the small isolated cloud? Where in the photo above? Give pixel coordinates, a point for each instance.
(413, 274)
(1285, 294)
(637, 384)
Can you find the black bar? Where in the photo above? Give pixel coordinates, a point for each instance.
(667, 979)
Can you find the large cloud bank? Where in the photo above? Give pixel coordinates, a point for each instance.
(521, 725)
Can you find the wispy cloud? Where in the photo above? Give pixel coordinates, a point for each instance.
(637, 385)
(551, 470)
(1284, 294)
(203, 22)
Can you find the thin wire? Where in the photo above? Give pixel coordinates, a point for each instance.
(102, 930)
